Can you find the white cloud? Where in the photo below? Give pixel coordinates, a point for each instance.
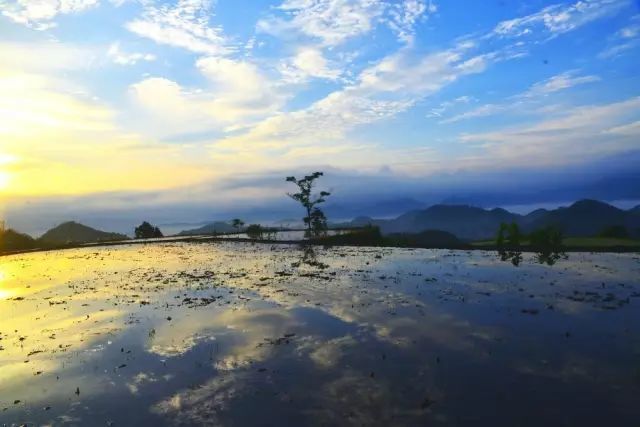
(331, 21)
(577, 134)
(559, 82)
(619, 49)
(626, 39)
(556, 83)
(447, 105)
(184, 25)
(381, 91)
(123, 58)
(237, 93)
(309, 62)
(39, 14)
(559, 18)
(480, 111)
(404, 16)
(46, 56)
(630, 129)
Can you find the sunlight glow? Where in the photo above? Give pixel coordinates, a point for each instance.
(4, 293)
(4, 180)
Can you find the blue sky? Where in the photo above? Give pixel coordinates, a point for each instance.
(173, 100)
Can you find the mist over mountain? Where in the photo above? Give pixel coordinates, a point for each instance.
(212, 228)
(378, 195)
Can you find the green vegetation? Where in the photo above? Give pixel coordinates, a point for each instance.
(584, 243)
(371, 236)
(508, 242)
(258, 232)
(547, 243)
(367, 236)
(615, 231)
(599, 242)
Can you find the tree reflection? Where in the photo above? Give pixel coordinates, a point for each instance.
(508, 243)
(547, 242)
(310, 258)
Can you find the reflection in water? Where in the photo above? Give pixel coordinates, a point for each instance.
(510, 255)
(235, 334)
(550, 256)
(546, 256)
(310, 258)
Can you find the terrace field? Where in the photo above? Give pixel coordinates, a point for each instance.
(234, 333)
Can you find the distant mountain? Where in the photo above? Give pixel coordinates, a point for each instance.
(533, 216)
(73, 232)
(466, 222)
(586, 218)
(583, 218)
(211, 228)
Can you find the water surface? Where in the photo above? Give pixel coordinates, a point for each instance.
(239, 334)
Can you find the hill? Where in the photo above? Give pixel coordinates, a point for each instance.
(11, 240)
(211, 228)
(73, 232)
(584, 218)
(466, 222)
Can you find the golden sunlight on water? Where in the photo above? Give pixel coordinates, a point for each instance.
(197, 333)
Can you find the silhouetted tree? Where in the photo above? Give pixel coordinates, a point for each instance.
(315, 221)
(237, 223)
(255, 231)
(508, 243)
(147, 231)
(547, 242)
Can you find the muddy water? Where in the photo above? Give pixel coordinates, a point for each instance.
(241, 334)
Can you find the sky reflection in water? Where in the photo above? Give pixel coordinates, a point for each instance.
(240, 334)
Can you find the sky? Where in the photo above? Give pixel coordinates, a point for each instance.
(190, 110)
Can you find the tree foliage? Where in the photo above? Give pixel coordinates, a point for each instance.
(237, 223)
(508, 242)
(547, 242)
(255, 231)
(615, 231)
(315, 220)
(147, 231)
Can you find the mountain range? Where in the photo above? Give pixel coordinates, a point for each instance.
(584, 218)
(68, 233)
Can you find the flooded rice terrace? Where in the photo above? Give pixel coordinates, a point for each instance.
(239, 334)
